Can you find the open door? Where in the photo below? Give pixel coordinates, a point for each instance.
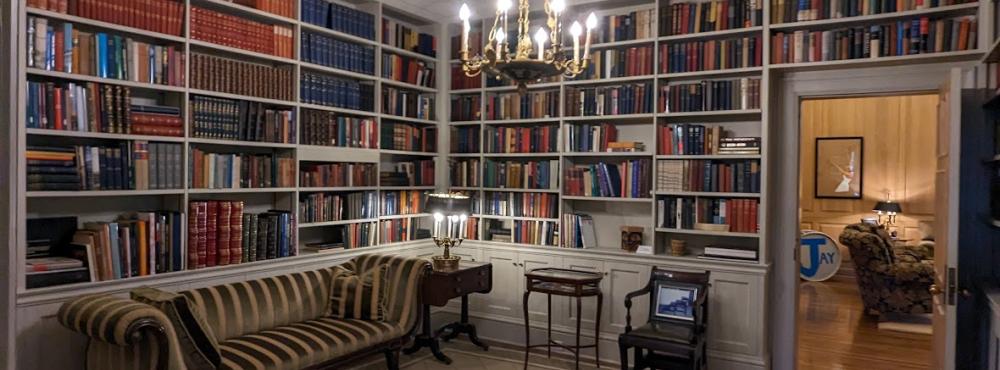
(946, 222)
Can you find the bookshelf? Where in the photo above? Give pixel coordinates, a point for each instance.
(753, 120)
(105, 205)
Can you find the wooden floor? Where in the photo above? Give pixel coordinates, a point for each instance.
(835, 334)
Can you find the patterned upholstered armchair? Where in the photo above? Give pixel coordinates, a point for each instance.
(891, 279)
(276, 323)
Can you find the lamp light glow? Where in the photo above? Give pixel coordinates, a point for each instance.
(591, 21)
(464, 13)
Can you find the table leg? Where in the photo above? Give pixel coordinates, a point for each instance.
(453, 330)
(549, 332)
(597, 331)
(427, 338)
(579, 312)
(527, 330)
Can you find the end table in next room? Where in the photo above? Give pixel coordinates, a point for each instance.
(439, 288)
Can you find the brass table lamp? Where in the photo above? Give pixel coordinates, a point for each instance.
(451, 212)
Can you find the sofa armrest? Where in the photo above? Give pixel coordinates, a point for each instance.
(113, 320)
(914, 273)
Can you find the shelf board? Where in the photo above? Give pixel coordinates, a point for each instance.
(223, 95)
(707, 194)
(335, 223)
(614, 117)
(712, 113)
(245, 11)
(607, 199)
(337, 34)
(101, 193)
(408, 119)
(474, 90)
(320, 189)
(241, 190)
(407, 85)
(713, 73)
(516, 121)
(464, 123)
(612, 44)
(518, 190)
(520, 155)
(465, 188)
(102, 80)
(967, 8)
(709, 156)
(610, 80)
(325, 153)
(531, 86)
(992, 53)
(949, 56)
(338, 110)
(518, 218)
(408, 152)
(394, 188)
(607, 154)
(396, 217)
(101, 135)
(240, 52)
(464, 155)
(403, 52)
(255, 144)
(337, 71)
(707, 232)
(713, 34)
(105, 25)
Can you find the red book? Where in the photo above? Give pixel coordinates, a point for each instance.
(193, 234)
(57, 99)
(236, 233)
(223, 240)
(212, 233)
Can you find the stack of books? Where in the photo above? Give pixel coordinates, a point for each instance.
(335, 53)
(321, 207)
(409, 137)
(135, 244)
(465, 139)
(533, 104)
(682, 18)
(405, 103)
(335, 129)
(465, 173)
(240, 170)
(465, 107)
(534, 139)
(418, 172)
(165, 16)
(711, 95)
(209, 72)
(241, 33)
(730, 176)
(337, 175)
(220, 233)
(407, 202)
(137, 165)
(339, 18)
(609, 100)
(725, 252)
(625, 179)
(337, 92)
(739, 145)
(695, 139)
(52, 168)
(406, 69)
(227, 119)
(579, 231)
(403, 37)
(145, 117)
(540, 205)
(710, 55)
(542, 174)
(635, 25)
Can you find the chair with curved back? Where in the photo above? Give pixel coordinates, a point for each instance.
(891, 279)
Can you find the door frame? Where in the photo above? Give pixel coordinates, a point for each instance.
(783, 137)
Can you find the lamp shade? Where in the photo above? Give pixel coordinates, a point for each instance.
(449, 204)
(887, 207)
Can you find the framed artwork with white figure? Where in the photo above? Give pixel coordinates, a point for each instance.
(839, 163)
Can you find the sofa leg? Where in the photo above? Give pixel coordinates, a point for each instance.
(392, 358)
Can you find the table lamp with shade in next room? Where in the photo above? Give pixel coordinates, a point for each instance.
(451, 213)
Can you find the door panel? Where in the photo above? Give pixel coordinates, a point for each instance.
(589, 304)
(537, 307)
(505, 300)
(622, 279)
(733, 322)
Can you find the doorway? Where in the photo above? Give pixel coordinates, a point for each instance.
(866, 184)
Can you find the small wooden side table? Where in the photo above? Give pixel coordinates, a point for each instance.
(567, 283)
(439, 288)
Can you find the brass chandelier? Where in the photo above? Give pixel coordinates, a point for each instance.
(520, 66)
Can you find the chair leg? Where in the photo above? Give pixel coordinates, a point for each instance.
(392, 358)
(623, 353)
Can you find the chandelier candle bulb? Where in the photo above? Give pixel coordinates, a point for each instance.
(575, 30)
(464, 14)
(591, 24)
(540, 37)
(437, 224)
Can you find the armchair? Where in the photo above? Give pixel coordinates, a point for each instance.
(891, 279)
(674, 336)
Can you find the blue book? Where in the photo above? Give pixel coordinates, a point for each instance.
(101, 54)
(50, 41)
(67, 52)
(116, 255)
(900, 30)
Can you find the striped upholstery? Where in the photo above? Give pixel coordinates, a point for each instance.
(304, 344)
(355, 296)
(197, 342)
(404, 276)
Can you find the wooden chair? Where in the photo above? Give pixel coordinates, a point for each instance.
(674, 336)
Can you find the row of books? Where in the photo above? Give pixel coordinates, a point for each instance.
(228, 119)
(337, 175)
(916, 36)
(727, 215)
(465, 139)
(635, 25)
(784, 11)
(402, 230)
(220, 233)
(625, 179)
(335, 129)
(532, 174)
(337, 92)
(625, 62)
(277, 7)
(535, 232)
(240, 170)
(587, 137)
(209, 72)
(60, 47)
(406, 202)
(465, 173)
(579, 231)
(405, 103)
(419, 172)
(711, 55)
(532, 104)
(134, 244)
(92, 107)
(534, 139)
(730, 176)
(465, 108)
(322, 207)
(241, 33)
(516, 204)
(165, 16)
(409, 70)
(409, 137)
(711, 95)
(471, 230)
(609, 100)
(137, 165)
(339, 18)
(358, 235)
(403, 37)
(335, 53)
(695, 139)
(683, 18)
(460, 81)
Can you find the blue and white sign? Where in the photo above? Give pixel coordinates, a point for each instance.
(819, 256)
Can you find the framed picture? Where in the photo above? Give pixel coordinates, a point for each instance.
(839, 163)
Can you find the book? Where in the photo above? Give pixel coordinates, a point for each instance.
(711, 95)
(710, 55)
(579, 231)
(523, 139)
(403, 202)
(209, 170)
(722, 251)
(336, 129)
(417, 172)
(225, 75)
(465, 172)
(226, 235)
(335, 53)
(528, 174)
(726, 176)
(625, 179)
(696, 139)
(686, 213)
(277, 7)
(619, 62)
(532, 104)
(518, 204)
(134, 244)
(92, 107)
(609, 100)
(130, 165)
(337, 92)
(405, 103)
(405, 37)
(401, 230)
(228, 119)
(408, 137)
(466, 107)
(165, 16)
(682, 18)
(241, 33)
(589, 137)
(635, 25)
(409, 70)
(465, 139)
(322, 207)
(337, 174)
(339, 18)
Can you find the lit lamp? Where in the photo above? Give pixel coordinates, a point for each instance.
(451, 212)
(889, 209)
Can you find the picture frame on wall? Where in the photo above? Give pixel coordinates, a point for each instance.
(839, 163)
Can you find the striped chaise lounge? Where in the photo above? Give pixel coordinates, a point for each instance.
(272, 323)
